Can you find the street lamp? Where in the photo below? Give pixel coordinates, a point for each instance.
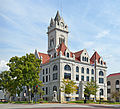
(29, 95)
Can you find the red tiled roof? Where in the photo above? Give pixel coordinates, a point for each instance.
(114, 74)
(62, 48)
(45, 57)
(77, 55)
(93, 58)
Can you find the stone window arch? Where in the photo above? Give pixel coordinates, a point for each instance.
(101, 73)
(77, 69)
(55, 68)
(67, 67)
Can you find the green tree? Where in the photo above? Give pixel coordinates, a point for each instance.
(23, 71)
(69, 86)
(115, 94)
(90, 89)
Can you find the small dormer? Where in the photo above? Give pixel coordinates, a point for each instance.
(85, 57)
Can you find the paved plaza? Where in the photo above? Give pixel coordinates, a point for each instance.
(58, 106)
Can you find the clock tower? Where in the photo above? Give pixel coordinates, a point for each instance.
(57, 33)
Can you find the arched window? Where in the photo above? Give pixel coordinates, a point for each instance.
(67, 67)
(77, 69)
(117, 82)
(68, 55)
(87, 70)
(82, 70)
(87, 59)
(54, 88)
(108, 83)
(54, 67)
(101, 73)
(101, 92)
(92, 71)
(83, 58)
(101, 62)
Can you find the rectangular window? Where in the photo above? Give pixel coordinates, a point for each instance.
(87, 78)
(49, 70)
(49, 77)
(43, 79)
(46, 90)
(82, 78)
(43, 71)
(46, 78)
(108, 90)
(55, 76)
(67, 76)
(101, 80)
(92, 78)
(46, 70)
(77, 77)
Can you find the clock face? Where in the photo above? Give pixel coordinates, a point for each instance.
(62, 24)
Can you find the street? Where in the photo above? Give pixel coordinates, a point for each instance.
(58, 106)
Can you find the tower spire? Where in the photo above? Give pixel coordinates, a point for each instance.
(57, 17)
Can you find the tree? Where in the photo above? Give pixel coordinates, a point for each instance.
(68, 86)
(90, 89)
(23, 71)
(115, 94)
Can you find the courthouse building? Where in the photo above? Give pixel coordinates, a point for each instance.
(60, 62)
(113, 85)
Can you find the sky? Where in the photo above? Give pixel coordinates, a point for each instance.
(92, 24)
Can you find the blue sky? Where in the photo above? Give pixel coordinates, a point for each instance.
(93, 24)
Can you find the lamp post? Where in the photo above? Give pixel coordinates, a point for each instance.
(29, 95)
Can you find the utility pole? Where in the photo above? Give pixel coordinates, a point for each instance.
(95, 74)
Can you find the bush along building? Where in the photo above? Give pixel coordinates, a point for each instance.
(60, 62)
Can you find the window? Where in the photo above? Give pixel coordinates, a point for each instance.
(101, 80)
(54, 88)
(46, 78)
(46, 90)
(87, 70)
(87, 78)
(68, 55)
(49, 77)
(101, 73)
(92, 78)
(51, 42)
(49, 70)
(82, 78)
(83, 58)
(77, 69)
(108, 83)
(67, 76)
(55, 76)
(87, 59)
(55, 68)
(108, 90)
(77, 77)
(54, 55)
(101, 62)
(92, 71)
(43, 79)
(46, 70)
(67, 67)
(61, 40)
(82, 70)
(43, 72)
(117, 89)
(117, 82)
(43, 89)
(77, 92)
(101, 91)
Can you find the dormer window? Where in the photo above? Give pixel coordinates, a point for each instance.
(101, 62)
(68, 55)
(83, 58)
(62, 24)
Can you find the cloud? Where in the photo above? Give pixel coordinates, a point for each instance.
(103, 34)
(3, 65)
(88, 43)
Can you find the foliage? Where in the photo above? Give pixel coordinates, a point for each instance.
(68, 86)
(23, 71)
(90, 88)
(115, 94)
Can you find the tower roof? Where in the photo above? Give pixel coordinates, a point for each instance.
(57, 17)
